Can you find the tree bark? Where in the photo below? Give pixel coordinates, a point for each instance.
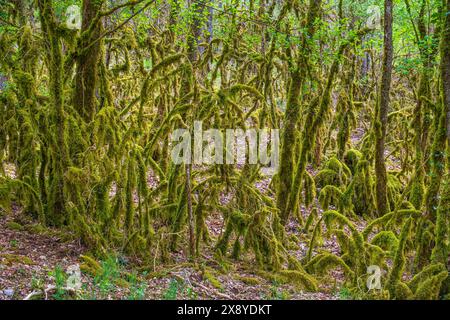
(193, 38)
(285, 174)
(56, 202)
(86, 78)
(445, 64)
(382, 111)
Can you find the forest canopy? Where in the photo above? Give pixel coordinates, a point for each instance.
(348, 102)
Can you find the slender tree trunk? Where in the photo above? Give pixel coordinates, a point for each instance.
(193, 38)
(211, 21)
(445, 64)
(190, 213)
(441, 137)
(291, 118)
(56, 203)
(313, 123)
(20, 11)
(441, 251)
(86, 78)
(418, 123)
(382, 111)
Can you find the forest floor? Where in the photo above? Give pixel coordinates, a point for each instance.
(35, 258)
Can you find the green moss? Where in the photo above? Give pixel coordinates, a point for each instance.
(36, 229)
(270, 276)
(396, 272)
(14, 226)
(309, 190)
(324, 262)
(429, 289)
(288, 142)
(442, 235)
(394, 189)
(389, 217)
(438, 152)
(293, 242)
(386, 240)
(427, 273)
(90, 265)
(207, 275)
(12, 259)
(356, 245)
(361, 190)
(315, 239)
(310, 220)
(351, 159)
(416, 193)
(315, 119)
(331, 195)
(327, 177)
(401, 292)
(299, 278)
(81, 157)
(342, 238)
(129, 200)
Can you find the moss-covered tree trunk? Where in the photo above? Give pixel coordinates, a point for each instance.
(445, 64)
(86, 78)
(24, 78)
(291, 117)
(19, 11)
(193, 39)
(314, 122)
(437, 153)
(59, 155)
(422, 112)
(441, 250)
(381, 118)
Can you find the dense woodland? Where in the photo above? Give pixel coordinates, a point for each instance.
(360, 91)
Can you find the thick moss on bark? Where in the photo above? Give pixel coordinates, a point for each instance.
(86, 78)
(381, 116)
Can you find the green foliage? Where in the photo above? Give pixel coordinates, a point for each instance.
(334, 173)
(60, 279)
(345, 294)
(394, 283)
(108, 276)
(172, 291)
(87, 117)
(137, 288)
(14, 226)
(277, 293)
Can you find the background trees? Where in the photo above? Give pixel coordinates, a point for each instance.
(364, 114)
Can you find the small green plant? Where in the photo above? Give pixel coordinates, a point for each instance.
(191, 294)
(137, 289)
(14, 243)
(110, 273)
(14, 226)
(276, 293)
(37, 283)
(60, 280)
(171, 292)
(87, 293)
(22, 271)
(344, 294)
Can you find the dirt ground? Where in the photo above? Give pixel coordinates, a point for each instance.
(30, 257)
